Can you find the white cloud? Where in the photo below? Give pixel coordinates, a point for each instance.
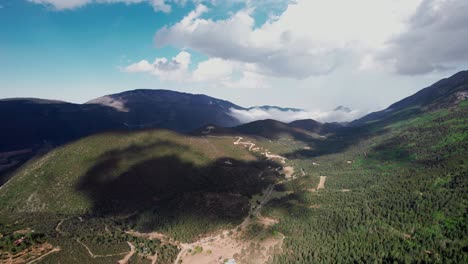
(62, 4)
(246, 116)
(175, 69)
(436, 38)
(309, 38)
(158, 5)
(215, 71)
(248, 79)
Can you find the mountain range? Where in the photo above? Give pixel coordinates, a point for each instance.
(390, 187)
(31, 126)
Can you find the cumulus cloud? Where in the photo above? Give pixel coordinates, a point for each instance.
(253, 114)
(214, 71)
(309, 38)
(436, 38)
(166, 69)
(235, 39)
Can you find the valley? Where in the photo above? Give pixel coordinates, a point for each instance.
(233, 132)
(390, 188)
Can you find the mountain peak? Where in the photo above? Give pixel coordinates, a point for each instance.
(342, 108)
(272, 107)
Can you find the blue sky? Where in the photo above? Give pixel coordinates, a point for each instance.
(304, 53)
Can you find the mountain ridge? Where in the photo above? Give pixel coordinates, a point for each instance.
(440, 94)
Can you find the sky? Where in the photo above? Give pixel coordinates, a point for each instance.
(309, 54)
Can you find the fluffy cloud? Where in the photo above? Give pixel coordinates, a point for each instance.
(436, 38)
(309, 38)
(254, 114)
(214, 71)
(172, 69)
(158, 5)
(62, 4)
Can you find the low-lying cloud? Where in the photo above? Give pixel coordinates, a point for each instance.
(253, 114)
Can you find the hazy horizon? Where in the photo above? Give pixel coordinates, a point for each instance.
(301, 54)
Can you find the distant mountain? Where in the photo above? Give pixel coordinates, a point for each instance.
(31, 125)
(271, 129)
(307, 124)
(342, 109)
(270, 107)
(182, 112)
(315, 126)
(441, 94)
(30, 122)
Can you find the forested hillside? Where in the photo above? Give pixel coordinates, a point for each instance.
(393, 189)
(398, 195)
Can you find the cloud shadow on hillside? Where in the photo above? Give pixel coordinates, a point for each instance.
(219, 189)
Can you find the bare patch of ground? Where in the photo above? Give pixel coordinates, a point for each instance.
(288, 171)
(266, 221)
(225, 246)
(30, 255)
(229, 244)
(24, 231)
(321, 184)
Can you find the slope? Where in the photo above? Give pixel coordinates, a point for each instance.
(441, 94)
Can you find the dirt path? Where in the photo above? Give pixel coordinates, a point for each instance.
(56, 249)
(129, 255)
(99, 256)
(57, 227)
(154, 259)
(272, 156)
(248, 143)
(222, 245)
(267, 154)
(227, 243)
(321, 184)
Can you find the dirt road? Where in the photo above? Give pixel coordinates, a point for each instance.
(129, 255)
